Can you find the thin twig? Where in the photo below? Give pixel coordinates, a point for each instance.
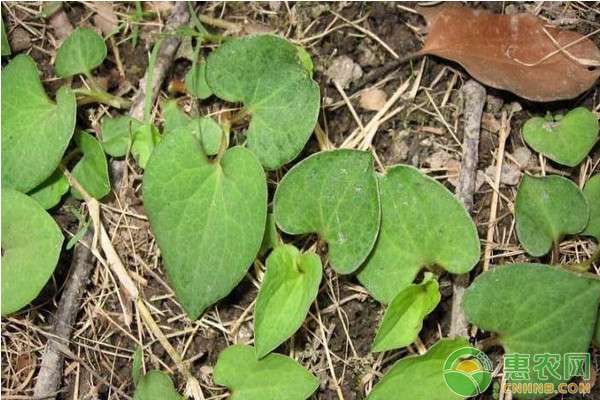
(474, 96)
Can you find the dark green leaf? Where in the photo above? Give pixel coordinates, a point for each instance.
(195, 81)
(92, 170)
(50, 192)
(117, 134)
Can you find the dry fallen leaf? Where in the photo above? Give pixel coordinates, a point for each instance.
(105, 19)
(513, 52)
(373, 99)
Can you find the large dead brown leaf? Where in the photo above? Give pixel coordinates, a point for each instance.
(513, 52)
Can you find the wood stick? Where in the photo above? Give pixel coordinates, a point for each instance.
(474, 96)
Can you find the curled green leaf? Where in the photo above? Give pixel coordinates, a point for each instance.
(403, 319)
(289, 287)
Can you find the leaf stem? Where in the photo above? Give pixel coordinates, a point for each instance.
(584, 266)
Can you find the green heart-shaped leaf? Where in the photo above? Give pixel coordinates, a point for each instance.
(51, 191)
(208, 217)
(35, 131)
(546, 209)
(567, 141)
(334, 194)
(422, 224)
(80, 53)
(289, 287)
(403, 319)
(591, 192)
(117, 134)
(538, 309)
(195, 82)
(273, 377)
(156, 385)
(31, 244)
(419, 377)
(265, 73)
(92, 170)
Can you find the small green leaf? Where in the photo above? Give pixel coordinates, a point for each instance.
(591, 192)
(537, 309)
(51, 191)
(271, 238)
(31, 244)
(273, 377)
(156, 385)
(92, 170)
(174, 118)
(200, 211)
(83, 51)
(206, 129)
(145, 140)
(136, 368)
(117, 133)
(566, 141)
(403, 318)
(334, 194)
(5, 45)
(422, 224)
(195, 81)
(265, 73)
(289, 287)
(419, 377)
(546, 209)
(35, 131)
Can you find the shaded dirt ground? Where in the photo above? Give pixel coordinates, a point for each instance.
(422, 129)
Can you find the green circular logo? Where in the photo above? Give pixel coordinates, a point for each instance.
(468, 372)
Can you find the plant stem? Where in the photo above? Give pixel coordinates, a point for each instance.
(100, 96)
(585, 265)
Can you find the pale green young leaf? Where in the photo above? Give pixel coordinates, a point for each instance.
(289, 287)
(5, 51)
(266, 74)
(271, 237)
(195, 81)
(422, 224)
(51, 191)
(546, 209)
(92, 170)
(156, 385)
(200, 211)
(143, 143)
(537, 309)
(419, 377)
(334, 194)
(273, 377)
(403, 319)
(566, 141)
(591, 192)
(117, 134)
(31, 244)
(35, 130)
(80, 53)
